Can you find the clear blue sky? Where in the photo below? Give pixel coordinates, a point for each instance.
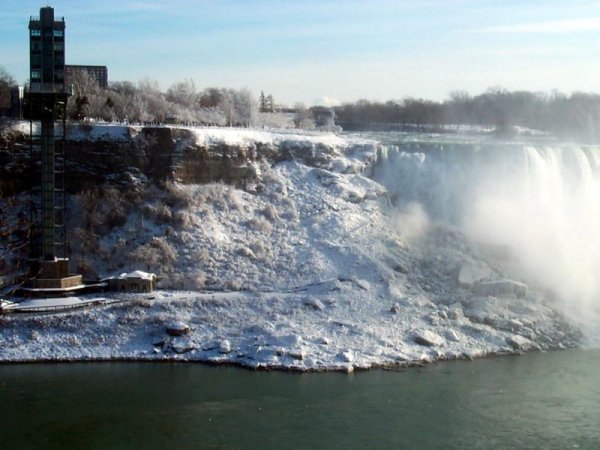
(311, 49)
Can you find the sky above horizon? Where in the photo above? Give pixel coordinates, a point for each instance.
(325, 51)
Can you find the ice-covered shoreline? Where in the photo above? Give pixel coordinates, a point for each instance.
(311, 329)
(313, 268)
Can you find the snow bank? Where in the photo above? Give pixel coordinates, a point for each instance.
(241, 136)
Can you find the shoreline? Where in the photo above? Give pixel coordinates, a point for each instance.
(252, 350)
(261, 368)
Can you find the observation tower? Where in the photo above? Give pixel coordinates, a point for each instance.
(45, 106)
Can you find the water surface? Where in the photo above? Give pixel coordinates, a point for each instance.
(543, 400)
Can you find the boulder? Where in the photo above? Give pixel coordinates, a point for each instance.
(400, 267)
(332, 285)
(433, 319)
(313, 303)
(519, 342)
(363, 284)
(455, 313)
(298, 354)
(396, 308)
(225, 347)
(346, 356)
(288, 341)
(452, 335)
(159, 342)
(427, 338)
(180, 346)
(501, 288)
(177, 328)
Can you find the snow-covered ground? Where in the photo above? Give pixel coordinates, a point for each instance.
(311, 269)
(205, 135)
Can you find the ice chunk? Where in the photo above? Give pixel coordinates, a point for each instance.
(427, 338)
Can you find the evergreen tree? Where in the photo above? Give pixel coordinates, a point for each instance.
(262, 102)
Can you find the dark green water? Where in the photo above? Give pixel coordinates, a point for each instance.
(549, 400)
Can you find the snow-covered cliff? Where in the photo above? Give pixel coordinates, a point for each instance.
(303, 262)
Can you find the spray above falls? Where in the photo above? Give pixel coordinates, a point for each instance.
(539, 202)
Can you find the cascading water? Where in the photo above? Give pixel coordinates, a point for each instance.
(540, 202)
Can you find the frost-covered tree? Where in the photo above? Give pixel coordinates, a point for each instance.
(275, 120)
(149, 103)
(246, 108)
(183, 94)
(270, 104)
(238, 108)
(85, 89)
(303, 117)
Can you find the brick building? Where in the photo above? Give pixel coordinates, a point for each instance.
(98, 73)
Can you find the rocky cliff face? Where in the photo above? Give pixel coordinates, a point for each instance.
(138, 154)
(114, 168)
(143, 154)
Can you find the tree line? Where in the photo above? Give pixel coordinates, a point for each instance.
(182, 102)
(145, 102)
(574, 115)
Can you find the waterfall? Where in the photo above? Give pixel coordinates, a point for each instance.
(541, 202)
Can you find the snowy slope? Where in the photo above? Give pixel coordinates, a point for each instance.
(309, 269)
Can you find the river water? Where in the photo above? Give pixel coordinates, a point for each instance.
(541, 400)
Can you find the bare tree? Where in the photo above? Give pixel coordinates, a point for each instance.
(303, 118)
(183, 94)
(85, 92)
(247, 108)
(6, 82)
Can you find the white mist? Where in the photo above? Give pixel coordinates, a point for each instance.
(540, 203)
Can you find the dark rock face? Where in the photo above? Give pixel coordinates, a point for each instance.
(149, 154)
(14, 164)
(91, 162)
(228, 163)
(154, 153)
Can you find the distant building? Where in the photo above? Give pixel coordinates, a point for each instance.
(97, 73)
